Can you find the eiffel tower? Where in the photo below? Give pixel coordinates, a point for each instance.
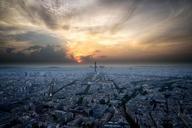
(95, 66)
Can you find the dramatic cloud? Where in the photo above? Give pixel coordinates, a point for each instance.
(103, 30)
(35, 54)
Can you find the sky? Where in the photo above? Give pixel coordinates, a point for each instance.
(106, 31)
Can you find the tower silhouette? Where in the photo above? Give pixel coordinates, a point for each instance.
(95, 67)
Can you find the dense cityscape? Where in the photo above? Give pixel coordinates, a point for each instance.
(105, 97)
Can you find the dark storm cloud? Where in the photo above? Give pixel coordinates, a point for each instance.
(9, 50)
(154, 23)
(21, 43)
(4, 29)
(87, 59)
(10, 33)
(39, 54)
(35, 37)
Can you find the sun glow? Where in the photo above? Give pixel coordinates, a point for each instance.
(78, 59)
(84, 44)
